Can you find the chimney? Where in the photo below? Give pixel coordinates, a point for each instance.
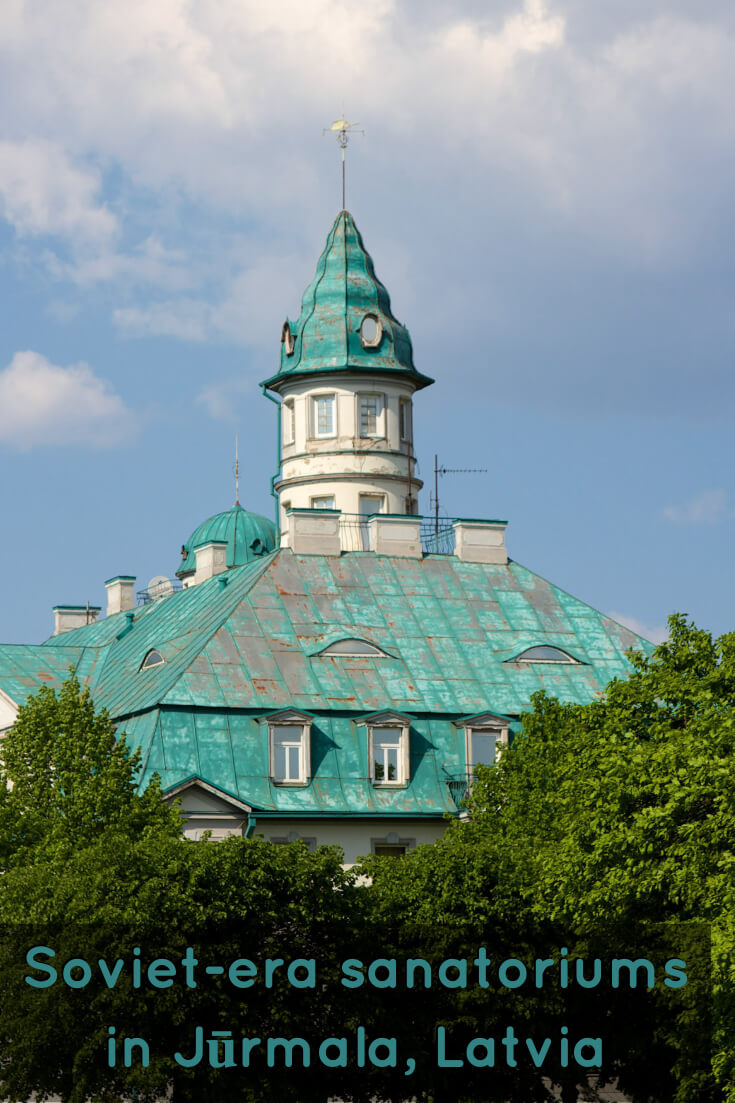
(120, 594)
(211, 559)
(69, 617)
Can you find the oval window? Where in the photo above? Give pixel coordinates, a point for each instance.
(371, 331)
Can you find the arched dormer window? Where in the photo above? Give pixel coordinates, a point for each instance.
(153, 658)
(287, 339)
(354, 647)
(544, 654)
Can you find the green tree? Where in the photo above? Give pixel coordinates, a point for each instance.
(67, 777)
(599, 819)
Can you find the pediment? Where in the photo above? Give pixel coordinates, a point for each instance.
(200, 798)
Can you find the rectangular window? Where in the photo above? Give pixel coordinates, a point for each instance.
(323, 415)
(370, 415)
(288, 754)
(405, 418)
(389, 850)
(288, 421)
(387, 756)
(326, 501)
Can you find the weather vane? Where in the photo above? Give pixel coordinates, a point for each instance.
(343, 130)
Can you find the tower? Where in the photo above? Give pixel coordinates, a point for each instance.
(346, 384)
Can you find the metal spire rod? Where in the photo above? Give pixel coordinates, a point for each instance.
(342, 129)
(237, 475)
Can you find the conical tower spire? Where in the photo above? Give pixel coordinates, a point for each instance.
(332, 334)
(346, 382)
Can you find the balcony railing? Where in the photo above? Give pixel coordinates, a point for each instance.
(435, 539)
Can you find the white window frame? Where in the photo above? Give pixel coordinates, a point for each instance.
(402, 771)
(405, 420)
(488, 727)
(323, 498)
(315, 399)
(295, 720)
(289, 421)
(379, 433)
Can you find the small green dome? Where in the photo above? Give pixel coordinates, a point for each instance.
(248, 536)
(329, 334)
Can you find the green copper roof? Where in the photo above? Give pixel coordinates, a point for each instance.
(236, 652)
(345, 289)
(248, 536)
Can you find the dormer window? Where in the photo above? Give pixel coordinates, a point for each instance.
(484, 736)
(289, 737)
(544, 654)
(153, 658)
(388, 748)
(355, 648)
(287, 339)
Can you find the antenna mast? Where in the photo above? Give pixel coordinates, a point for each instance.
(441, 470)
(236, 469)
(343, 129)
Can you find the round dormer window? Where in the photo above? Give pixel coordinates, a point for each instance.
(371, 331)
(287, 339)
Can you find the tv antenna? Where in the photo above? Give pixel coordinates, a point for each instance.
(343, 130)
(440, 469)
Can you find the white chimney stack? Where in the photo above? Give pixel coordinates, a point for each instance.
(69, 617)
(211, 559)
(120, 595)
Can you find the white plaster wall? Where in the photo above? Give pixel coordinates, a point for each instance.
(354, 837)
(346, 465)
(8, 713)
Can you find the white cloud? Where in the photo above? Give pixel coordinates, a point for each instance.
(654, 633)
(705, 509)
(43, 193)
(221, 399)
(44, 404)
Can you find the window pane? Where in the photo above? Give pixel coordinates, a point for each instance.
(324, 406)
(387, 737)
(386, 751)
(483, 747)
(287, 752)
(370, 406)
(389, 850)
(279, 765)
(544, 654)
(327, 502)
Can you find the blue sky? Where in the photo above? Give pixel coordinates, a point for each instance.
(545, 187)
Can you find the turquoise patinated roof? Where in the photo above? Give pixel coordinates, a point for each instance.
(248, 536)
(246, 643)
(327, 335)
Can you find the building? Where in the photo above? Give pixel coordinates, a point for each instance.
(338, 680)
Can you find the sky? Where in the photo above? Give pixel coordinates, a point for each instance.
(545, 187)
